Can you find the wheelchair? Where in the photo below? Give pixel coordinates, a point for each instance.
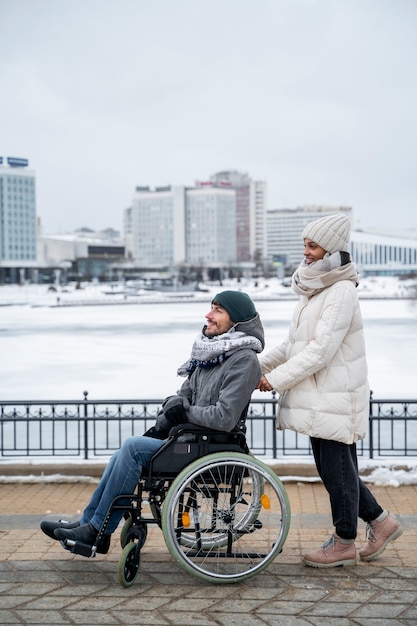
(224, 514)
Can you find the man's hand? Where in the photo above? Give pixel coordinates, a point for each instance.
(264, 385)
(174, 411)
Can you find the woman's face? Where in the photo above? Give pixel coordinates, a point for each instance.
(312, 251)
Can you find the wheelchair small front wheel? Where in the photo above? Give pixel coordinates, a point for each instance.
(133, 532)
(128, 567)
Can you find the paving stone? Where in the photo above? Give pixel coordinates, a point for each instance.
(196, 619)
(338, 609)
(42, 617)
(231, 619)
(11, 601)
(8, 617)
(386, 611)
(91, 617)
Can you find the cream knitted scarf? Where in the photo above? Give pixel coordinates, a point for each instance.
(310, 279)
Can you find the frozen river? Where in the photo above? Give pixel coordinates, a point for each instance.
(133, 350)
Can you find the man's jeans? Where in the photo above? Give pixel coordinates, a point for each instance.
(350, 498)
(120, 477)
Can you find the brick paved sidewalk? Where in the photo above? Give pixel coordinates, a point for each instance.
(41, 583)
(23, 505)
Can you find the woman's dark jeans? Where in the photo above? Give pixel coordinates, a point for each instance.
(350, 498)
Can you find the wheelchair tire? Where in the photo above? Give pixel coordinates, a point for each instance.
(225, 517)
(128, 566)
(131, 532)
(125, 530)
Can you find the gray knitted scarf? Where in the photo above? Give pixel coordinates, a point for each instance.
(308, 280)
(211, 351)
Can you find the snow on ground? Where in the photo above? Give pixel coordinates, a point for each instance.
(392, 473)
(118, 293)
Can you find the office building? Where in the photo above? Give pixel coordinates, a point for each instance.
(171, 226)
(154, 226)
(250, 213)
(211, 226)
(82, 255)
(381, 254)
(18, 225)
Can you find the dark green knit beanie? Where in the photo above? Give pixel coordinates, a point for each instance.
(238, 304)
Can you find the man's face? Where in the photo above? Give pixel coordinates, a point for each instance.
(218, 321)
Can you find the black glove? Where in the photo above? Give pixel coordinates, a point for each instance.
(174, 411)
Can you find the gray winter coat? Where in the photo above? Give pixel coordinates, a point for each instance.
(218, 397)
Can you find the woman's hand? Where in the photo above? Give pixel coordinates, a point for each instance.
(264, 385)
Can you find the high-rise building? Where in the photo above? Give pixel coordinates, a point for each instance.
(285, 228)
(250, 213)
(210, 226)
(154, 226)
(219, 221)
(18, 225)
(175, 225)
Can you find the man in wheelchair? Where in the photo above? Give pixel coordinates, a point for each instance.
(221, 374)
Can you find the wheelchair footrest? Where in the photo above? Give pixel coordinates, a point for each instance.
(76, 547)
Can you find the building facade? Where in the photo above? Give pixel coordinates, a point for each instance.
(210, 226)
(172, 226)
(250, 213)
(80, 256)
(221, 221)
(18, 222)
(154, 226)
(379, 254)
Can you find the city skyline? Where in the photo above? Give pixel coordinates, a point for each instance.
(314, 97)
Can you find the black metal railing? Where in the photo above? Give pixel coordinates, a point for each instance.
(88, 429)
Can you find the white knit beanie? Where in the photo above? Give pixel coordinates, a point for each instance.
(331, 232)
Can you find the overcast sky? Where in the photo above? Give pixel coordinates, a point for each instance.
(317, 97)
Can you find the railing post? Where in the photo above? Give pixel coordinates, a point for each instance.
(85, 393)
(371, 428)
(274, 429)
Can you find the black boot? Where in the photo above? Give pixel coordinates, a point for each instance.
(85, 534)
(49, 527)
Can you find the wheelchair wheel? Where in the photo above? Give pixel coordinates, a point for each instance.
(128, 567)
(125, 530)
(131, 531)
(225, 517)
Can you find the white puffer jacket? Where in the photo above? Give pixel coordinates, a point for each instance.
(321, 370)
